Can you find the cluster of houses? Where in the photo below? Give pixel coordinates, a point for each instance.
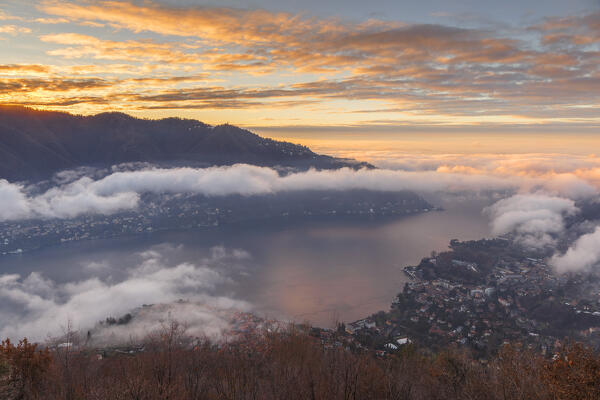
(505, 305)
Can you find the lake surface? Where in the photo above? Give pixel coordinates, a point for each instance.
(317, 271)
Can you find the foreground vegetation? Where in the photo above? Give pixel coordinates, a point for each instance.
(290, 364)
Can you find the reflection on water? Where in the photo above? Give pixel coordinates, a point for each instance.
(305, 270)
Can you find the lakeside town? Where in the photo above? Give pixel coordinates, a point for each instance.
(175, 212)
(483, 294)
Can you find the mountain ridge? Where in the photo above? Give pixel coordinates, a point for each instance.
(35, 144)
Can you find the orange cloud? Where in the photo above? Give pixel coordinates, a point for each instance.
(52, 21)
(217, 24)
(434, 72)
(4, 16)
(89, 46)
(14, 29)
(11, 69)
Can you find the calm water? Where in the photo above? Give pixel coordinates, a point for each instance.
(308, 270)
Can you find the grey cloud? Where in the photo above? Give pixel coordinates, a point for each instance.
(583, 255)
(536, 219)
(14, 201)
(35, 306)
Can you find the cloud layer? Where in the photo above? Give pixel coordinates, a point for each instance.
(35, 306)
(121, 191)
(537, 196)
(583, 255)
(536, 219)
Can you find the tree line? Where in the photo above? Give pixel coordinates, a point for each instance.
(290, 364)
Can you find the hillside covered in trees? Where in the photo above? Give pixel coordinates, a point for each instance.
(290, 364)
(35, 144)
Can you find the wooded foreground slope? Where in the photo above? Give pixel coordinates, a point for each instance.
(291, 365)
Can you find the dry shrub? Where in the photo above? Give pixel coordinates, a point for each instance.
(289, 365)
(25, 367)
(574, 373)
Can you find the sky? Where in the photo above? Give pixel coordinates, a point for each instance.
(375, 73)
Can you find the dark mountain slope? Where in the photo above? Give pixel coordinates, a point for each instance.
(35, 144)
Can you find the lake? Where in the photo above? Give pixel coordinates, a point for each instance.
(316, 271)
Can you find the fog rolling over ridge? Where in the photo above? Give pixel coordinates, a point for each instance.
(36, 306)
